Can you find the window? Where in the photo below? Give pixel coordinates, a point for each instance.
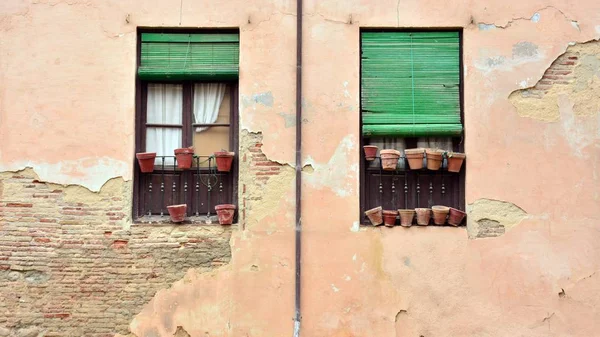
(410, 98)
(187, 97)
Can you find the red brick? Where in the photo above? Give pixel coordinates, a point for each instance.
(266, 173)
(61, 315)
(18, 204)
(119, 244)
(267, 163)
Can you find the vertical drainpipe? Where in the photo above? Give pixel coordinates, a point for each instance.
(298, 283)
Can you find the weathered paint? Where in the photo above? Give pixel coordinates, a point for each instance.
(537, 279)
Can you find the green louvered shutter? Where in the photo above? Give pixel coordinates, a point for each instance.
(208, 56)
(410, 84)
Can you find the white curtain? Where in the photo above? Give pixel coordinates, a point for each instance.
(443, 143)
(164, 106)
(383, 143)
(207, 101)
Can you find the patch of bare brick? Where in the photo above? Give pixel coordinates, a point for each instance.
(559, 72)
(489, 228)
(70, 269)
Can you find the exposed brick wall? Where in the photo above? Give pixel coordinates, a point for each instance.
(70, 268)
(560, 72)
(260, 169)
(489, 228)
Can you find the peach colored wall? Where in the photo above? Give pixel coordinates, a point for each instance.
(67, 110)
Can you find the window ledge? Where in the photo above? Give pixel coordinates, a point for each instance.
(369, 224)
(213, 220)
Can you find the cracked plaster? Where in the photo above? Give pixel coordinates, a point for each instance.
(487, 213)
(452, 286)
(578, 96)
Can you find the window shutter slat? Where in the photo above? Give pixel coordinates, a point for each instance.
(410, 84)
(189, 57)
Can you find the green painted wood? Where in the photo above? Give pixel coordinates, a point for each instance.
(178, 37)
(411, 130)
(189, 57)
(410, 80)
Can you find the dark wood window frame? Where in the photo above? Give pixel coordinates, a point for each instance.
(454, 183)
(145, 201)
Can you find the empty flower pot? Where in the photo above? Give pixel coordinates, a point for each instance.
(184, 157)
(370, 152)
(224, 160)
(423, 216)
(177, 212)
(439, 214)
(456, 216)
(434, 159)
(415, 158)
(389, 159)
(406, 217)
(225, 213)
(389, 218)
(375, 215)
(146, 161)
(455, 161)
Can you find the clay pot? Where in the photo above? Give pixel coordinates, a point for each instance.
(389, 218)
(434, 159)
(146, 161)
(439, 214)
(375, 215)
(225, 213)
(455, 161)
(389, 159)
(415, 158)
(406, 217)
(184, 157)
(456, 216)
(370, 152)
(177, 212)
(224, 160)
(423, 216)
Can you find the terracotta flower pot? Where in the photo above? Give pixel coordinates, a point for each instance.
(423, 216)
(456, 216)
(406, 217)
(224, 160)
(184, 157)
(375, 215)
(389, 218)
(415, 158)
(370, 152)
(434, 159)
(146, 161)
(439, 214)
(177, 212)
(225, 213)
(389, 159)
(455, 161)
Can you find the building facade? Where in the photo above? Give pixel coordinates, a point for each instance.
(84, 250)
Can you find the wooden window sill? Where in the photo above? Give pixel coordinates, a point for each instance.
(157, 220)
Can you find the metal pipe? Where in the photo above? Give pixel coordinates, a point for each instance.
(298, 282)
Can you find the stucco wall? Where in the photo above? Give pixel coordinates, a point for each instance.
(67, 111)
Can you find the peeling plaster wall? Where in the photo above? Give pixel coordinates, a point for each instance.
(525, 266)
(72, 264)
